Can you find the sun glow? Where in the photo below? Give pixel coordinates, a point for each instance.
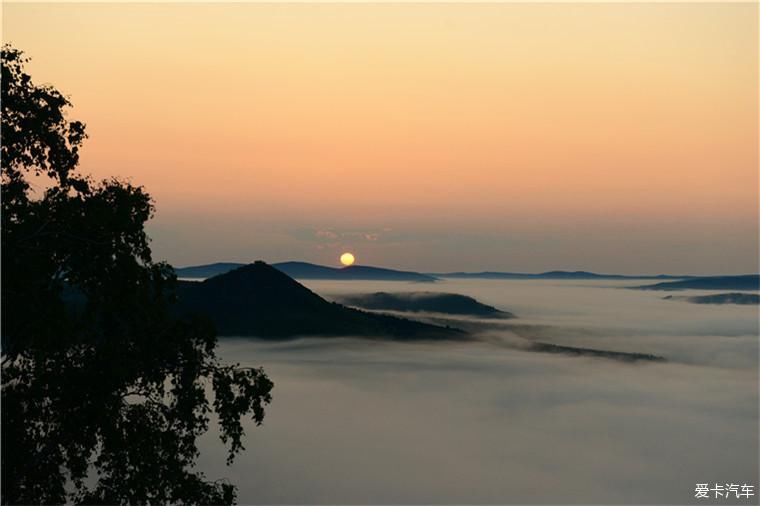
(347, 259)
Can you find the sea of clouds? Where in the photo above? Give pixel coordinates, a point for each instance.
(486, 421)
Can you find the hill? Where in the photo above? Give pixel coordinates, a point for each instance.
(305, 270)
(745, 282)
(435, 302)
(259, 300)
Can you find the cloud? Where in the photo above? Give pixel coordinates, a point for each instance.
(358, 421)
(331, 237)
(367, 422)
(326, 234)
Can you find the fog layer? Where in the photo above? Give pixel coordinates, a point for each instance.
(361, 421)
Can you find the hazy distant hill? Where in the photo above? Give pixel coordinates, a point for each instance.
(746, 282)
(721, 298)
(436, 302)
(259, 300)
(548, 275)
(206, 271)
(305, 270)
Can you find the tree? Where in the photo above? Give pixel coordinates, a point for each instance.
(103, 387)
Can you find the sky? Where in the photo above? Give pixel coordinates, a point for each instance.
(435, 137)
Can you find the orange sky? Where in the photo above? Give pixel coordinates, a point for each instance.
(618, 137)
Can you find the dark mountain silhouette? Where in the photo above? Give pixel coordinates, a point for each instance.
(305, 270)
(548, 275)
(436, 302)
(745, 282)
(259, 300)
(720, 298)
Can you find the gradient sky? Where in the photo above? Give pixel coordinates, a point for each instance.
(521, 137)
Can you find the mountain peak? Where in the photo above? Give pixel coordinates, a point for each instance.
(306, 270)
(259, 300)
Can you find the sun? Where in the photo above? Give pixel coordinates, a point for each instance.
(347, 259)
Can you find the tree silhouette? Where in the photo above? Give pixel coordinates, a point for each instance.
(104, 391)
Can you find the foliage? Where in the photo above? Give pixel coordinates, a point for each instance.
(104, 391)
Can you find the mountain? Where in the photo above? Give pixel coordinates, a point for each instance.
(721, 298)
(259, 300)
(745, 282)
(435, 302)
(305, 270)
(547, 275)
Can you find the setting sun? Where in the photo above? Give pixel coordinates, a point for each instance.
(347, 259)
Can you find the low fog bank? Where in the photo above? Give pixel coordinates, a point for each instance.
(358, 421)
(598, 315)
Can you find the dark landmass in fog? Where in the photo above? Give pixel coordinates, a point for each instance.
(434, 302)
(745, 282)
(720, 298)
(590, 352)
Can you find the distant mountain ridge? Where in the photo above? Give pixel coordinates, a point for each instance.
(549, 275)
(259, 300)
(305, 270)
(744, 282)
